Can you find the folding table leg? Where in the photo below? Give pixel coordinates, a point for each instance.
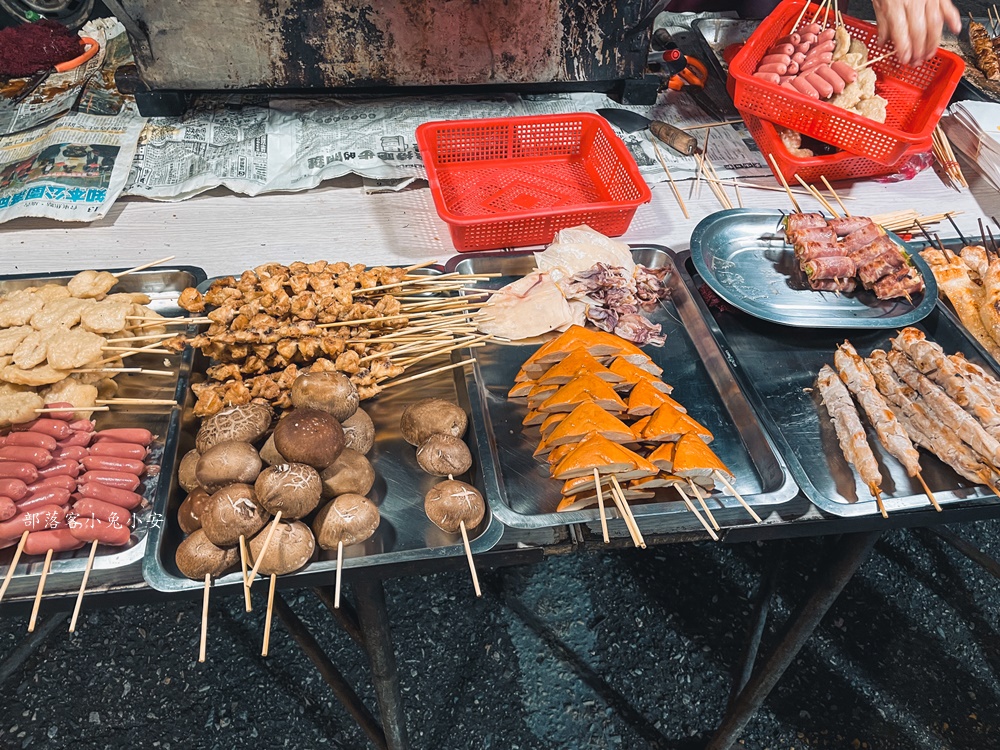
(852, 551)
(369, 598)
(988, 563)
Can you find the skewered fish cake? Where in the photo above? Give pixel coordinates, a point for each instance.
(91, 284)
(76, 348)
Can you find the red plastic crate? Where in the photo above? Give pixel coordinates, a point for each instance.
(516, 181)
(916, 95)
(839, 166)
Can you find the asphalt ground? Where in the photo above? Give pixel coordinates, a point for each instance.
(626, 649)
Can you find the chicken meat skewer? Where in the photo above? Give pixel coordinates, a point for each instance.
(859, 380)
(923, 426)
(850, 431)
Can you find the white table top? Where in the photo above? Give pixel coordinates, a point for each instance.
(225, 233)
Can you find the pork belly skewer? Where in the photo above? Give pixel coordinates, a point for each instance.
(978, 375)
(923, 426)
(859, 380)
(951, 414)
(850, 431)
(931, 360)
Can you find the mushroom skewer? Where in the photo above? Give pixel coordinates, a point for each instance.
(348, 519)
(850, 431)
(859, 380)
(455, 506)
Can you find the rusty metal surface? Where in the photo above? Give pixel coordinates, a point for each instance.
(211, 44)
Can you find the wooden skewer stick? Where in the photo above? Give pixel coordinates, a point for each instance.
(204, 618)
(877, 59)
(704, 505)
(13, 564)
(425, 264)
(468, 555)
(38, 593)
(835, 196)
(798, 20)
(83, 586)
(148, 337)
(739, 498)
(435, 371)
(739, 198)
(133, 350)
(927, 491)
(712, 124)
(263, 549)
(143, 267)
(623, 514)
(137, 401)
(818, 196)
(617, 488)
(788, 190)
(600, 505)
(81, 408)
(340, 566)
(670, 177)
(691, 507)
(267, 617)
(244, 554)
(169, 321)
(878, 501)
(771, 188)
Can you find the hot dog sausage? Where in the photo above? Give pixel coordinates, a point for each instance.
(812, 28)
(114, 495)
(106, 533)
(809, 39)
(13, 470)
(88, 507)
(31, 440)
(832, 78)
(799, 57)
(776, 68)
(37, 457)
(7, 509)
(845, 71)
(779, 59)
(802, 49)
(818, 49)
(769, 77)
(782, 49)
(789, 39)
(826, 35)
(32, 520)
(117, 479)
(111, 463)
(62, 468)
(51, 427)
(71, 453)
(15, 489)
(793, 68)
(812, 64)
(77, 439)
(60, 540)
(44, 497)
(120, 450)
(82, 425)
(818, 82)
(136, 435)
(65, 416)
(804, 87)
(63, 482)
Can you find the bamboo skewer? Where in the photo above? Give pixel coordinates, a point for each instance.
(132, 349)
(670, 178)
(83, 586)
(739, 498)
(946, 157)
(835, 196)
(148, 337)
(691, 507)
(81, 408)
(263, 549)
(268, 616)
(13, 564)
(629, 518)
(340, 566)
(704, 505)
(788, 190)
(143, 267)
(818, 196)
(772, 188)
(798, 20)
(600, 505)
(204, 619)
(878, 501)
(135, 402)
(38, 593)
(425, 264)
(468, 555)
(877, 59)
(435, 371)
(244, 554)
(927, 491)
(712, 124)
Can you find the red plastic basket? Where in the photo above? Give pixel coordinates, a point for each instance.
(916, 95)
(840, 166)
(516, 181)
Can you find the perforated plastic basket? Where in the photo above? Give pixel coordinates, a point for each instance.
(516, 181)
(916, 95)
(840, 166)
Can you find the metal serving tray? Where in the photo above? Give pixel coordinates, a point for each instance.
(778, 372)
(742, 256)
(527, 497)
(404, 535)
(121, 565)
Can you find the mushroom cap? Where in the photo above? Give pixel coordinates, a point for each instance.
(269, 454)
(444, 455)
(292, 546)
(350, 474)
(450, 502)
(350, 519)
(196, 556)
(432, 416)
(294, 489)
(228, 463)
(359, 432)
(187, 476)
(309, 436)
(232, 512)
(190, 511)
(246, 423)
(332, 392)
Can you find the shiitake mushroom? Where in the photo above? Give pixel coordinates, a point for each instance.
(432, 416)
(191, 510)
(291, 546)
(350, 519)
(228, 463)
(359, 432)
(246, 423)
(332, 392)
(293, 489)
(309, 436)
(444, 455)
(187, 477)
(232, 512)
(451, 502)
(269, 454)
(350, 474)
(197, 557)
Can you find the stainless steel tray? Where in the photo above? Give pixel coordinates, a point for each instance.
(778, 371)
(405, 534)
(691, 362)
(742, 256)
(121, 565)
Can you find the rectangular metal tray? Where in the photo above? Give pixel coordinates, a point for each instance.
(691, 362)
(742, 255)
(404, 535)
(118, 565)
(777, 370)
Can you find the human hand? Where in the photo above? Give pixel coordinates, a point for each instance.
(914, 26)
